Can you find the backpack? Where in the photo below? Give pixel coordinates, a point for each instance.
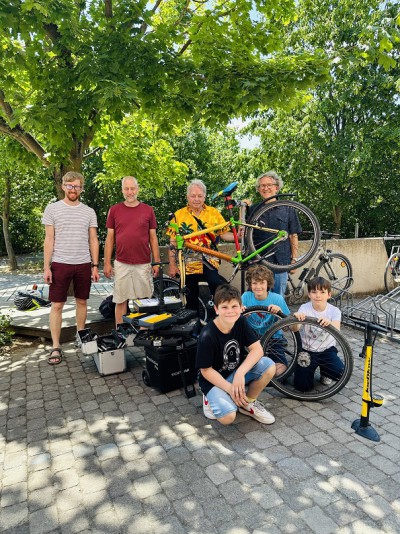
(107, 308)
(29, 301)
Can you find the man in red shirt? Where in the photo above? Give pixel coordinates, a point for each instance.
(131, 227)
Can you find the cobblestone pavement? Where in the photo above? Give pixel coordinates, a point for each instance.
(85, 453)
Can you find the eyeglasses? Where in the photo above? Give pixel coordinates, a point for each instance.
(267, 186)
(70, 187)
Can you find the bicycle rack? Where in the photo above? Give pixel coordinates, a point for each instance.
(380, 309)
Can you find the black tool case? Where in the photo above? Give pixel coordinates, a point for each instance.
(169, 368)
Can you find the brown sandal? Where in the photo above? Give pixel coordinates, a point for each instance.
(55, 360)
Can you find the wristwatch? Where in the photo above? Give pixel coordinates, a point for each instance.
(95, 265)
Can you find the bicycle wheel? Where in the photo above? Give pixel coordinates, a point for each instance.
(305, 366)
(168, 283)
(392, 272)
(338, 270)
(260, 319)
(266, 217)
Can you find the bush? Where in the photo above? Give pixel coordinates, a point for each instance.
(6, 331)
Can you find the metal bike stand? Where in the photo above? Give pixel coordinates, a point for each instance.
(362, 426)
(383, 310)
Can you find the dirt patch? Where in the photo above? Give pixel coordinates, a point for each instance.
(21, 346)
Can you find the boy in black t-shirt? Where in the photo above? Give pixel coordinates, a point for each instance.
(227, 368)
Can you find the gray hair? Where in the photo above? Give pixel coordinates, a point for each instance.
(270, 174)
(125, 178)
(197, 183)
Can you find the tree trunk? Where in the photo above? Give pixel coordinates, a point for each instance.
(337, 218)
(5, 216)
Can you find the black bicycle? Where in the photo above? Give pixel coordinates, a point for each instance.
(332, 266)
(392, 269)
(282, 342)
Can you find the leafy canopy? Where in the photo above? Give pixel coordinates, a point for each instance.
(69, 67)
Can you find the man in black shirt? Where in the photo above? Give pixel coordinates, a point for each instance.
(285, 218)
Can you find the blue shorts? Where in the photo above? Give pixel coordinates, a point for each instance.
(221, 403)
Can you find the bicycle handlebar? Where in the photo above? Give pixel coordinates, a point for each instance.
(329, 235)
(390, 237)
(368, 325)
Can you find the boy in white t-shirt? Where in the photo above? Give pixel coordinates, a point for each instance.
(318, 344)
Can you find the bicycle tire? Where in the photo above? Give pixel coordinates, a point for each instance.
(167, 282)
(293, 347)
(172, 289)
(392, 273)
(260, 319)
(308, 244)
(338, 270)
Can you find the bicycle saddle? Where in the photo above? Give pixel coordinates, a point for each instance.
(227, 191)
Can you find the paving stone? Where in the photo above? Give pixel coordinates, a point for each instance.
(248, 475)
(318, 521)
(13, 516)
(127, 506)
(176, 489)
(218, 473)
(74, 521)
(137, 461)
(146, 486)
(44, 520)
(376, 507)
(295, 468)
(13, 494)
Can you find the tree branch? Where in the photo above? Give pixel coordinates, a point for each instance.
(55, 37)
(144, 26)
(5, 106)
(92, 152)
(25, 139)
(184, 47)
(108, 12)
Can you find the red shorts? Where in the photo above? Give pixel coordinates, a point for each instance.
(63, 274)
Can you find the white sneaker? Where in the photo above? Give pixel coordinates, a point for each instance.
(257, 411)
(77, 342)
(207, 409)
(325, 380)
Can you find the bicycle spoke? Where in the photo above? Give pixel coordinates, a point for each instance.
(392, 273)
(338, 270)
(310, 376)
(270, 215)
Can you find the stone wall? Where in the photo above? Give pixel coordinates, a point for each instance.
(368, 258)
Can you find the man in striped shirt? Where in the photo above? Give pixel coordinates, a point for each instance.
(71, 254)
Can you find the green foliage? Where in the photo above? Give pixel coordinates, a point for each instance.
(68, 68)
(31, 190)
(6, 331)
(340, 150)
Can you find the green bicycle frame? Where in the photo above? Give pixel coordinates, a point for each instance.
(238, 258)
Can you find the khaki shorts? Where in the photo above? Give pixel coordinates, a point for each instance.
(132, 281)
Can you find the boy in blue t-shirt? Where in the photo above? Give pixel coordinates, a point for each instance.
(260, 281)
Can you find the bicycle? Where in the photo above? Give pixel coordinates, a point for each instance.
(281, 340)
(392, 268)
(261, 250)
(332, 266)
(282, 344)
